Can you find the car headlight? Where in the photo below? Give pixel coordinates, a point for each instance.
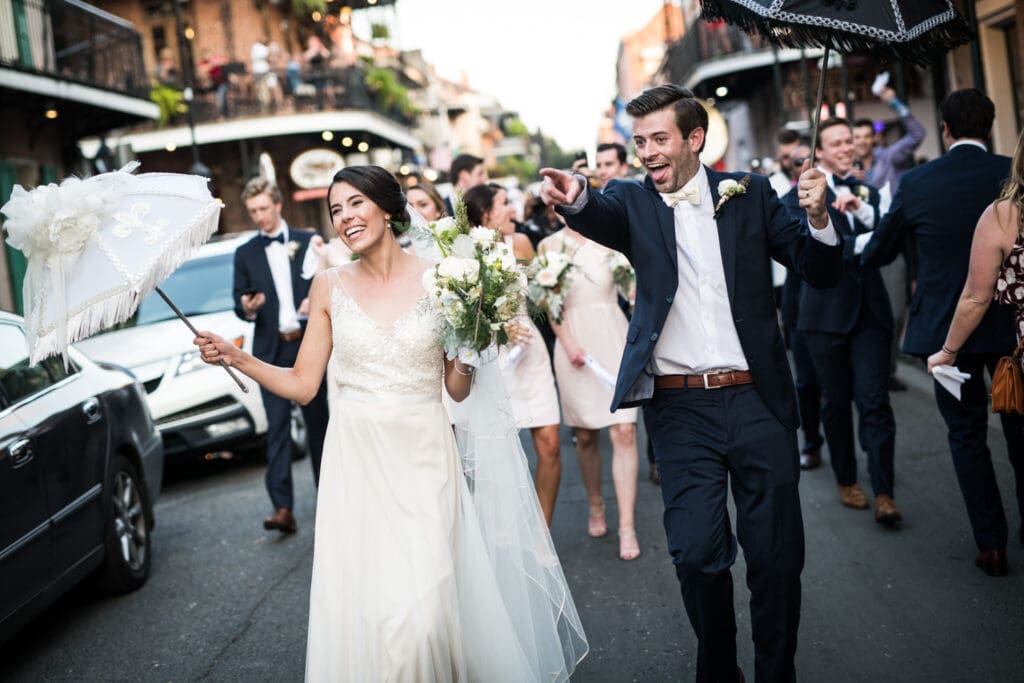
(192, 360)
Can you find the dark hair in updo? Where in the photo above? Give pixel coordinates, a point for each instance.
(377, 185)
(479, 200)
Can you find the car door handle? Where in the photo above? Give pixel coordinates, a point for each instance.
(91, 408)
(21, 453)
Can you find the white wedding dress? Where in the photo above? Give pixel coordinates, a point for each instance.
(414, 581)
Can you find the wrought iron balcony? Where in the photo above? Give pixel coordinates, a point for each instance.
(72, 41)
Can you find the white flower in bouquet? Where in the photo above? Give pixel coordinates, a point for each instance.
(623, 274)
(546, 277)
(500, 254)
(457, 268)
(463, 246)
(483, 236)
(444, 229)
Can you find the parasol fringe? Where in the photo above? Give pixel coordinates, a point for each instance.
(922, 50)
(110, 310)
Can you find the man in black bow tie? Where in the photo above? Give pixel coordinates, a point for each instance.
(848, 331)
(273, 272)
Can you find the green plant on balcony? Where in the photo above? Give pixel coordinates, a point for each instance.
(515, 128)
(379, 32)
(391, 95)
(169, 100)
(303, 8)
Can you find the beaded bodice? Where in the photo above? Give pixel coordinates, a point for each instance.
(402, 358)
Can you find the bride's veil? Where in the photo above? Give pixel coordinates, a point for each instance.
(524, 566)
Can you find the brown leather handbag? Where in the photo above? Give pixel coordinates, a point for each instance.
(1008, 384)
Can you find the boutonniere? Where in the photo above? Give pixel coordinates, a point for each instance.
(729, 188)
(863, 193)
(293, 247)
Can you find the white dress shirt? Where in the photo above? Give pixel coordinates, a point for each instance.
(281, 271)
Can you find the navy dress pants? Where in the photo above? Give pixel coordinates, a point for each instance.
(279, 440)
(705, 440)
(808, 393)
(967, 422)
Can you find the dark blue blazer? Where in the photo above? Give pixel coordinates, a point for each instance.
(939, 203)
(836, 310)
(253, 272)
(752, 229)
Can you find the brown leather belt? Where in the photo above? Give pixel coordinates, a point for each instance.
(715, 380)
(290, 336)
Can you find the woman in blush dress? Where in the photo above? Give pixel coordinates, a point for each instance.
(415, 579)
(528, 376)
(594, 326)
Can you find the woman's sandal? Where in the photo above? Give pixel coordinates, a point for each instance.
(629, 549)
(596, 525)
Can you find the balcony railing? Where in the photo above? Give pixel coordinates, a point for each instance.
(72, 40)
(704, 42)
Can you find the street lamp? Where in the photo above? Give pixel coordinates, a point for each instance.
(185, 57)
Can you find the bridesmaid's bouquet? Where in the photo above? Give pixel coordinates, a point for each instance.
(623, 274)
(550, 274)
(477, 286)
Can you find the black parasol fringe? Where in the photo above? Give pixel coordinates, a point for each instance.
(922, 50)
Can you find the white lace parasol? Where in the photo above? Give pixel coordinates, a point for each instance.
(96, 247)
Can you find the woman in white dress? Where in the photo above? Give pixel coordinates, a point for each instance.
(410, 582)
(528, 378)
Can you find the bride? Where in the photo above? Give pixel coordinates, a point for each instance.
(414, 578)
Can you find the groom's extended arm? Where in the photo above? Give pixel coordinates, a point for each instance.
(601, 216)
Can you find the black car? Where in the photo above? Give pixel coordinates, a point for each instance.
(80, 465)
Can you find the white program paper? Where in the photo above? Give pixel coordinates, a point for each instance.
(950, 378)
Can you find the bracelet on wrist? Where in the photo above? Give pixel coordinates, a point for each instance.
(948, 350)
(464, 374)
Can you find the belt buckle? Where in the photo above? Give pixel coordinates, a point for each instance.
(708, 386)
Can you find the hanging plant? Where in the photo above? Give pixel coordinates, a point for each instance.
(391, 95)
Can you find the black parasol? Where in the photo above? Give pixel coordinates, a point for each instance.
(918, 31)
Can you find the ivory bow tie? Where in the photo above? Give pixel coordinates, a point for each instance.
(689, 192)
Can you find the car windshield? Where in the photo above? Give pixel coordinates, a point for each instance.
(199, 286)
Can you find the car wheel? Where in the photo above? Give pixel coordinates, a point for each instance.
(300, 438)
(126, 533)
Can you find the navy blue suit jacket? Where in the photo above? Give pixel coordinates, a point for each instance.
(939, 203)
(836, 310)
(752, 229)
(253, 272)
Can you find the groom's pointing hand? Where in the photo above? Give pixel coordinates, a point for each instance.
(559, 187)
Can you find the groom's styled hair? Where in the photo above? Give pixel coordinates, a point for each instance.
(690, 113)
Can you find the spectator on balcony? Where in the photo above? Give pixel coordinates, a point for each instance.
(264, 80)
(315, 58)
(214, 79)
(167, 71)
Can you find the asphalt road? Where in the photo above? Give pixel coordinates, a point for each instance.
(228, 602)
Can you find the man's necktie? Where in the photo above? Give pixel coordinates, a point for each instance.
(265, 240)
(690, 192)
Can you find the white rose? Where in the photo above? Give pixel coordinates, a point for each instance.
(726, 186)
(464, 246)
(452, 268)
(481, 235)
(546, 278)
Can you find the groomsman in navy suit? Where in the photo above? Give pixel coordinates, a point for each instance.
(848, 332)
(939, 204)
(705, 355)
(273, 272)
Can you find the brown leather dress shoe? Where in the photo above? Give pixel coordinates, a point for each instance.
(885, 510)
(283, 520)
(853, 496)
(810, 459)
(992, 562)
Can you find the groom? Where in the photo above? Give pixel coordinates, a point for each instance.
(704, 352)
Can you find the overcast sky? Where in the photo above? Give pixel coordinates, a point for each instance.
(553, 61)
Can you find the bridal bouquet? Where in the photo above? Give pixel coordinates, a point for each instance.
(477, 285)
(623, 274)
(550, 275)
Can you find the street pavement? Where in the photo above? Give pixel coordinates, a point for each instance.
(227, 601)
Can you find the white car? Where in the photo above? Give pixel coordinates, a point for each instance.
(198, 408)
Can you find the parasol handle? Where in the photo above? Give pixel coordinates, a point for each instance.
(196, 333)
(817, 109)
